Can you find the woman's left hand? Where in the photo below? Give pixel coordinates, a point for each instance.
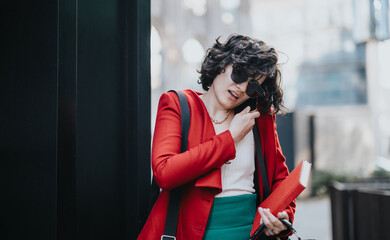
(273, 225)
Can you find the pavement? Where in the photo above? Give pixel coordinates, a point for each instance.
(313, 218)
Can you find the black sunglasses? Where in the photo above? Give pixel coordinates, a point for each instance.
(253, 89)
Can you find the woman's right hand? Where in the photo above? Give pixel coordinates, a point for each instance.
(242, 123)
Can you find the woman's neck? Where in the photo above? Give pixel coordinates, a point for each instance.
(214, 108)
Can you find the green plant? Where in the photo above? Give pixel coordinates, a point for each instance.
(322, 179)
(381, 174)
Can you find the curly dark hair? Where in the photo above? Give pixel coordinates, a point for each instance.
(252, 56)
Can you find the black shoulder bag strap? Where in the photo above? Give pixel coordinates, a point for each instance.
(174, 195)
(263, 173)
(261, 163)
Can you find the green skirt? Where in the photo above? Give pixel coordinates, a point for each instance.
(231, 218)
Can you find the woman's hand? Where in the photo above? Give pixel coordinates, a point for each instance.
(242, 123)
(273, 225)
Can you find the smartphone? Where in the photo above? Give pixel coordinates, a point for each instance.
(250, 102)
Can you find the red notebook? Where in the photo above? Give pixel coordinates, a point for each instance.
(286, 192)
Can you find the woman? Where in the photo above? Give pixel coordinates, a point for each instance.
(217, 172)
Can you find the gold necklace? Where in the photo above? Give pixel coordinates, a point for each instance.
(219, 122)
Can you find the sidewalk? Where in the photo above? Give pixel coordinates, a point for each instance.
(313, 218)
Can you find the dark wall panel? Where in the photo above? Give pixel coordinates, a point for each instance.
(67, 120)
(101, 121)
(104, 131)
(28, 127)
(138, 100)
(75, 119)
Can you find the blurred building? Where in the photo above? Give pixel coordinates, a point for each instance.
(324, 78)
(333, 54)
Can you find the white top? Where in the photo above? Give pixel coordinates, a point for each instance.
(237, 177)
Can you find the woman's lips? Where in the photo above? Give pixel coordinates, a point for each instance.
(233, 94)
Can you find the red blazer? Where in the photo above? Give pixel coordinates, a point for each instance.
(198, 169)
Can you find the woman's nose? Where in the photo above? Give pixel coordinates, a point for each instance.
(242, 86)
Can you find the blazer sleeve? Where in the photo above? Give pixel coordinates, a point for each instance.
(172, 168)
